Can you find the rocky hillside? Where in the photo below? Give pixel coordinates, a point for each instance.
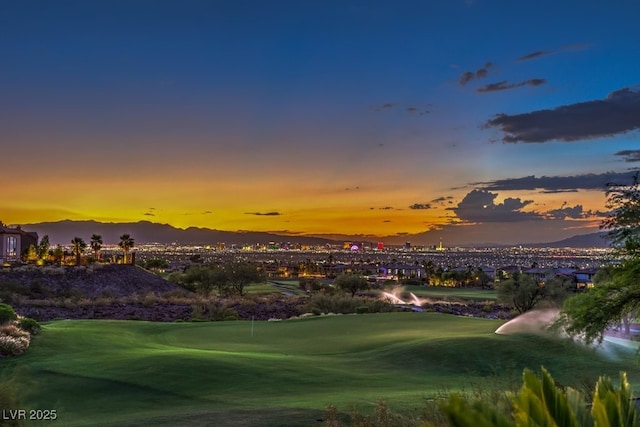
(88, 281)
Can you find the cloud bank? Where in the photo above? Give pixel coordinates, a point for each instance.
(479, 206)
(553, 184)
(617, 114)
(629, 155)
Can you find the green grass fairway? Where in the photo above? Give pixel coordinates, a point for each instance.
(128, 373)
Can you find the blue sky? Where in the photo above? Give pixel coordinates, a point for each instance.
(397, 120)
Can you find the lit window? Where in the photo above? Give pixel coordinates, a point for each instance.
(12, 246)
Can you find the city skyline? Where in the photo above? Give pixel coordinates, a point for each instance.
(470, 120)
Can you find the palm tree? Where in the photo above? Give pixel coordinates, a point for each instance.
(126, 243)
(96, 244)
(78, 246)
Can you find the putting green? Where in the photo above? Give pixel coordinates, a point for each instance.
(281, 373)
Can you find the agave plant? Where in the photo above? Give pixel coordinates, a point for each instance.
(540, 402)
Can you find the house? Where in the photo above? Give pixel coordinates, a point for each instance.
(14, 242)
(584, 277)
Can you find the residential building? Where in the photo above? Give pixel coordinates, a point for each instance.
(14, 242)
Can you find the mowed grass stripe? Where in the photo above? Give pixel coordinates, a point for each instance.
(110, 372)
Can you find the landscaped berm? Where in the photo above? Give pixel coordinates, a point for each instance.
(285, 373)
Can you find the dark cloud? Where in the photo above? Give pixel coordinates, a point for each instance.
(408, 109)
(263, 213)
(575, 212)
(629, 155)
(419, 206)
(385, 106)
(478, 206)
(504, 85)
(387, 220)
(442, 199)
(466, 77)
(534, 55)
(480, 73)
(558, 191)
(557, 183)
(618, 113)
(149, 214)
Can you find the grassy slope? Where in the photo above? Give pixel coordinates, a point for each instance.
(139, 373)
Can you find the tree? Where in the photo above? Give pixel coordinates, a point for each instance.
(429, 270)
(156, 264)
(96, 245)
(241, 274)
(58, 254)
(228, 278)
(78, 246)
(126, 243)
(623, 221)
(351, 282)
(521, 291)
(616, 291)
(43, 247)
(201, 279)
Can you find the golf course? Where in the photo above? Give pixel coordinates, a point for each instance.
(283, 373)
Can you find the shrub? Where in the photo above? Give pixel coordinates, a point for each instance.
(213, 312)
(30, 325)
(12, 346)
(13, 331)
(541, 402)
(322, 303)
(6, 314)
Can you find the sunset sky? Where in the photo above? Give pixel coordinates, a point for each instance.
(467, 120)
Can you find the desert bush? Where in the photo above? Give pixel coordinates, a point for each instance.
(12, 330)
(213, 312)
(11, 292)
(150, 299)
(7, 314)
(322, 303)
(12, 346)
(30, 325)
(382, 416)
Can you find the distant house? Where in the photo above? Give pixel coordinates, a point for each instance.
(584, 277)
(13, 242)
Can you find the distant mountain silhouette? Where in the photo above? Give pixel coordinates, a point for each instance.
(63, 232)
(593, 240)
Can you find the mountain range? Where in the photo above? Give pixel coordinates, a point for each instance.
(62, 232)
